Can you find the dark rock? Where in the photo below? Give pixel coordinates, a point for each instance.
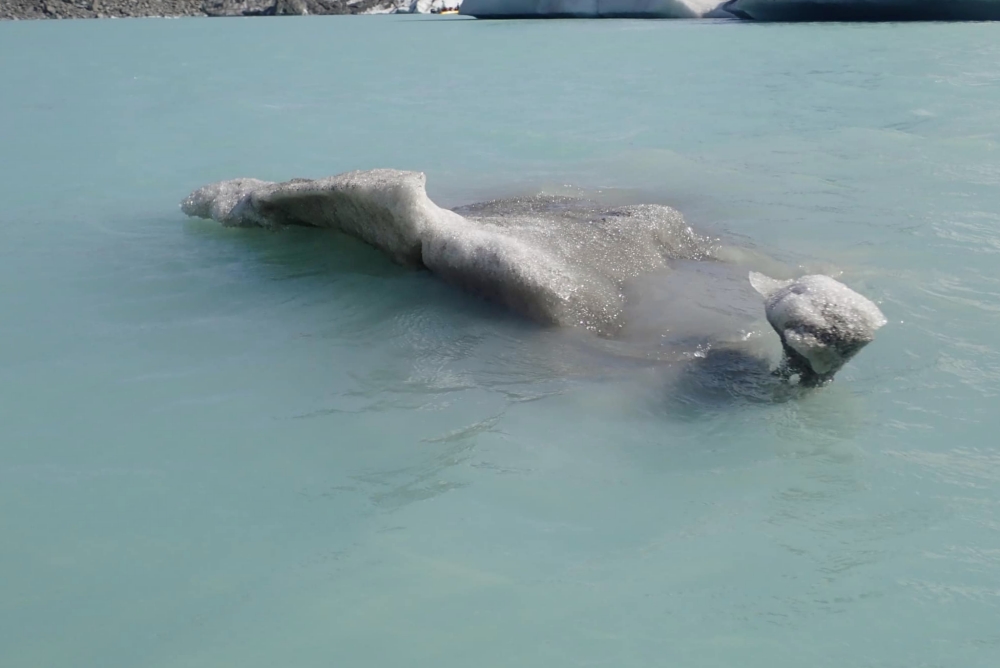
(238, 7)
(291, 8)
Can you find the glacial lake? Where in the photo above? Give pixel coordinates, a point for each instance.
(252, 448)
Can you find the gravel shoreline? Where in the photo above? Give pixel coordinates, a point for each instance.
(94, 9)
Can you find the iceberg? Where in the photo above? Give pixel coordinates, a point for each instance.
(865, 10)
(662, 9)
(562, 261)
(414, 7)
(556, 260)
(821, 322)
(754, 10)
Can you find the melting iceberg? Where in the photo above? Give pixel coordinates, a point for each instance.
(865, 10)
(666, 9)
(821, 322)
(557, 260)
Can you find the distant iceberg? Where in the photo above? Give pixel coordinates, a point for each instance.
(754, 10)
(865, 10)
(662, 9)
(415, 7)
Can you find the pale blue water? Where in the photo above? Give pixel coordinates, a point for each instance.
(256, 449)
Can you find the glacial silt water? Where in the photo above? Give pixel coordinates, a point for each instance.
(235, 447)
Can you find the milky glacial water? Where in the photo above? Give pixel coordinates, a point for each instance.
(249, 448)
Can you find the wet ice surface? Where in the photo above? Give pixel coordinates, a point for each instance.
(556, 260)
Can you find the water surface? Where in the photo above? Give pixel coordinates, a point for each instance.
(247, 448)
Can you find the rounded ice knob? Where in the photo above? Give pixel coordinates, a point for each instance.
(822, 323)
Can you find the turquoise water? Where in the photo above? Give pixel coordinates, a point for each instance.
(243, 448)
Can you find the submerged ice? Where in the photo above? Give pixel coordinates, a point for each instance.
(557, 260)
